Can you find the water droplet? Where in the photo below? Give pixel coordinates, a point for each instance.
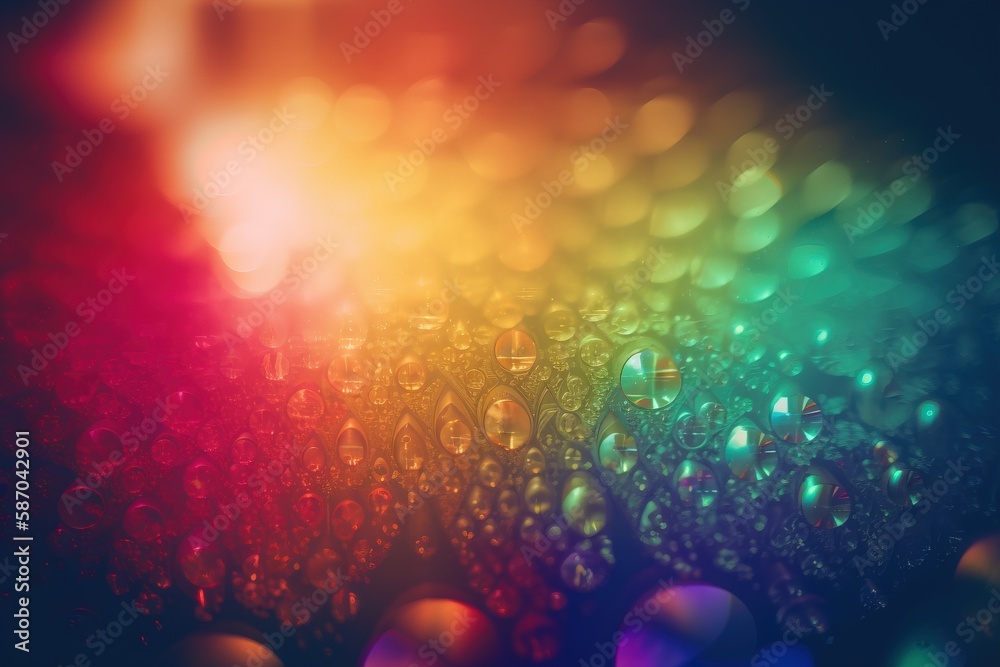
(352, 444)
(796, 418)
(650, 379)
(409, 446)
(751, 452)
(617, 450)
(507, 423)
(515, 351)
(696, 484)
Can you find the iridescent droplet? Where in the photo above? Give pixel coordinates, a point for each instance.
(750, 452)
(689, 432)
(490, 472)
(796, 418)
(824, 502)
(538, 495)
(650, 379)
(902, 485)
(696, 484)
(583, 505)
(617, 450)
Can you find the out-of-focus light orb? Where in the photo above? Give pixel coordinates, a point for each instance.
(308, 101)
(750, 157)
(507, 423)
(434, 630)
(751, 453)
(696, 484)
(825, 188)
(981, 562)
(808, 260)
(504, 153)
(625, 203)
(677, 213)
(753, 234)
(974, 222)
(661, 123)
(866, 378)
(755, 198)
(362, 113)
(595, 46)
(245, 247)
(585, 112)
(688, 625)
(928, 413)
(213, 650)
(824, 502)
(796, 418)
(583, 505)
(681, 165)
(650, 379)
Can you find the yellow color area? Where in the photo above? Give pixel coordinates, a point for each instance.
(625, 203)
(826, 187)
(503, 310)
(660, 124)
(756, 198)
(677, 213)
(362, 113)
(594, 173)
(750, 157)
(676, 265)
(526, 250)
(308, 100)
(681, 165)
(572, 227)
(466, 239)
(616, 249)
(504, 155)
(595, 46)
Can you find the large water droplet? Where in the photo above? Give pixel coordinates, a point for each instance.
(351, 443)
